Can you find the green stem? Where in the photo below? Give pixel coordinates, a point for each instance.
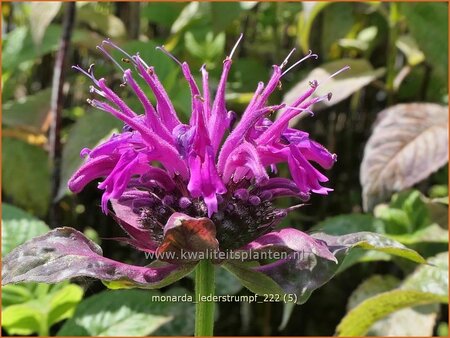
(204, 287)
(394, 16)
(43, 327)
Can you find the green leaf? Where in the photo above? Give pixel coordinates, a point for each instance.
(246, 73)
(131, 313)
(226, 283)
(13, 43)
(427, 285)
(431, 278)
(358, 255)
(208, 49)
(338, 19)
(22, 319)
(18, 227)
(41, 14)
(86, 132)
(29, 113)
(358, 321)
(408, 46)
(412, 218)
(223, 14)
(372, 286)
(63, 303)
(188, 14)
(26, 175)
(19, 47)
(432, 39)
(438, 211)
(107, 24)
(371, 241)
(15, 294)
(310, 11)
(46, 308)
(254, 281)
(346, 224)
(163, 13)
(431, 233)
(405, 322)
(413, 203)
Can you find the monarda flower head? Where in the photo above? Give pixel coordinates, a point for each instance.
(211, 167)
(206, 187)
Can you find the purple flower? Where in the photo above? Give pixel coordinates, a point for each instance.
(207, 162)
(206, 187)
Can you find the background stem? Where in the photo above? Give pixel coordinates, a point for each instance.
(392, 55)
(56, 110)
(204, 286)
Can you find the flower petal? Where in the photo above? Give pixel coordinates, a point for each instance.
(65, 253)
(91, 170)
(217, 123)
(246, 158)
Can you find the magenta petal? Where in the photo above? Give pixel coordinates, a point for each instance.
(116, 182)
(64, 253)
(217, 123)
(165, 107)
(204, 180)
(91, 170)
(152, 118)
(245, 157)
(291, 239)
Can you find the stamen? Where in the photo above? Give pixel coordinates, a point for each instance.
(199, 97)
(89, 73)
(343, 69)
(137, 58)
(310, 54)
(301, 109)
(235, 46)
(295, 207)
(112, 44)
(318, 99)
(91, 68)
(165, 51)
(313, 84)
(94, 90)
(103, 50)
(284, 63)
